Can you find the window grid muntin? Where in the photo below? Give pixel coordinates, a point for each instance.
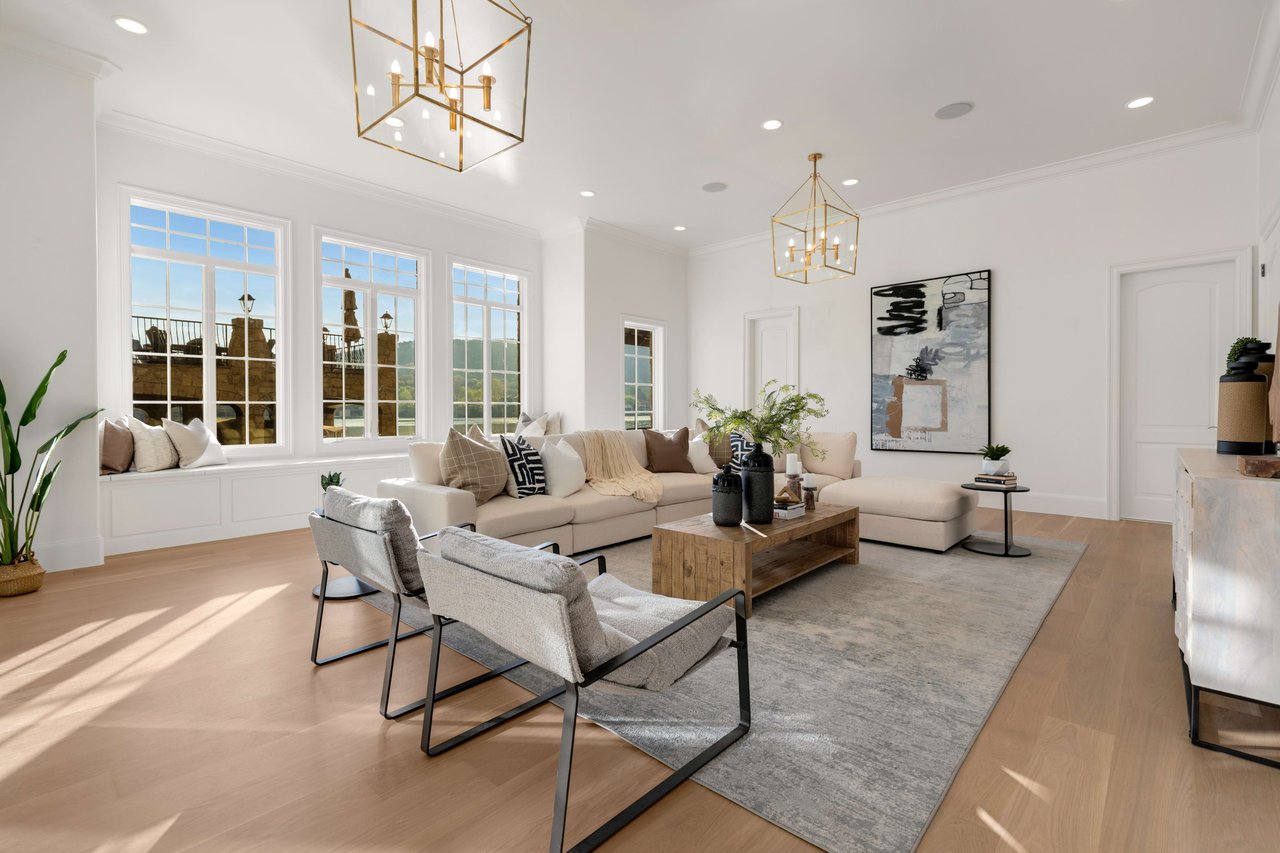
(185, 220)
(373, 409)
(639, 376)
(487, 370)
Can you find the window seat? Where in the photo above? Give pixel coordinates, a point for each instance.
(245, 497)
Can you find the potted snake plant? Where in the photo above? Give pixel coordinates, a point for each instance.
(23, 498)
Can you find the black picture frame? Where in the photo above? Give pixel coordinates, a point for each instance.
(871, 391)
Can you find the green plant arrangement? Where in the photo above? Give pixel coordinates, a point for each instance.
(333, 478)
(1237, 349)
(778, 420)
(994, 452)
(20, 511)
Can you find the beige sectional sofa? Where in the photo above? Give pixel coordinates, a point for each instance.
(586, 519)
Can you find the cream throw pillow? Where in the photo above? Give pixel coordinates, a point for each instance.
(152, 449)
(566, 473)
(196, 445)
(473, 466)
(700, 455)
(536, 427)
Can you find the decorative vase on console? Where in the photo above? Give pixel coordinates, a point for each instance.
(726, 498)
(757, 486)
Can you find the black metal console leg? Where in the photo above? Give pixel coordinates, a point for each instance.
(1193, 717)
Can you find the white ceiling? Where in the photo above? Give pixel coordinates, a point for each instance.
(645, 101)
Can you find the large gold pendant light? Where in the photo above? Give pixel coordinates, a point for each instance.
(815, 234)
(442, 80)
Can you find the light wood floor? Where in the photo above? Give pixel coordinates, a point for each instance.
(166, 702)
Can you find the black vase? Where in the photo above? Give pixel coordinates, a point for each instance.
(726, 498)
(757, 486)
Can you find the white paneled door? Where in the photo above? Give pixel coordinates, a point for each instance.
(1175, 327)
(772, 341)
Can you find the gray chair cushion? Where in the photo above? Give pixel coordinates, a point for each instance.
(540, 571)
(630, 615)
(380, 515)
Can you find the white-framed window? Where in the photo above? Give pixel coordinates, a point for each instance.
(205, 288)
(641, 374)
(370, 297)
(488, 339)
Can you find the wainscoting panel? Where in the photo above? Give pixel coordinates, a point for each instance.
(255, 498)
(151, 507)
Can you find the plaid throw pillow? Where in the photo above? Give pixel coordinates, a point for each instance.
(473, 466)
(528, 477)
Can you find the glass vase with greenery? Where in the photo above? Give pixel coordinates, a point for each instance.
(23, 499)
(778, 420)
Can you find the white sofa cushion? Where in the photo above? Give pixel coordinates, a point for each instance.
(700, 455)
(589, 505)
(505, 516)
(902, 497)
(841, 449)
(424, 462)
(678, 488)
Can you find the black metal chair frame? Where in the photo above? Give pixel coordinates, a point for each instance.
(570, 691)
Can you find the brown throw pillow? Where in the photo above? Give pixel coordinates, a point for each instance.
(721, 452)
(473, 466)
(668, 453)
(117, 447)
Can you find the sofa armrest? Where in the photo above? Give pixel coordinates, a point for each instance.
(857, 468)
(431, 507)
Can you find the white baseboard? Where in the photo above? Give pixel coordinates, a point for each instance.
(1046, 502)
(64, 554)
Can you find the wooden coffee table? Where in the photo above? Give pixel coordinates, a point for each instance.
(693, 558)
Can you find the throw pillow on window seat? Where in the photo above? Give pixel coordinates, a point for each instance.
(116, 447)
(196, 445)
(152, 449)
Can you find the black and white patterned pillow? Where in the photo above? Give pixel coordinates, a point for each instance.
(528, 476)
(739, 448)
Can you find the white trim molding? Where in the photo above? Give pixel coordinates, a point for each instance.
(1241, 257)
(55, 53)
(792, 315)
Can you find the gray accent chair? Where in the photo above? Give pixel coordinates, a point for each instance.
(601, 634)
(374, 540)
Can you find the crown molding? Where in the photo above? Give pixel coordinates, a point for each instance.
(1264, 68)
(55, 53)
(573, 228)
(625, 235)
(1088, 162)
(243, 155)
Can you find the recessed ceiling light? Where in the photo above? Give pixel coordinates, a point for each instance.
(130, 25)
(395, 122)
(678, 228)
(848, 182)
(715, 187)
(1139, 103)
(771, 124)
(959, 108)
(586, 193)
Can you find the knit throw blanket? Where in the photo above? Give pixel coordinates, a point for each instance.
(612, 468)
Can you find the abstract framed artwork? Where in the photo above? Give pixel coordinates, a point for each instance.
(931, 364)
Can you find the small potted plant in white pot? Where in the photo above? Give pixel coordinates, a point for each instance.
(993, 458)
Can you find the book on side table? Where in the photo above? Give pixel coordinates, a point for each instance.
(1010, 479)
(784, 512)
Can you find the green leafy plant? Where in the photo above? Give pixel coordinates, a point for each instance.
(1237, 349)
(333, 478)
(20, 511)
(994, 451)
(778, 420)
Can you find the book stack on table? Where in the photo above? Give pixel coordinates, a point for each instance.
(784, 512)
(1009, 480)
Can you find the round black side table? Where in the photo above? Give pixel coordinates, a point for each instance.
(996, 549)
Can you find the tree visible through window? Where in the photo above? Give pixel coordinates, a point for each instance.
(368, 294)
(639, 369)
(204, 321)
(487, 336)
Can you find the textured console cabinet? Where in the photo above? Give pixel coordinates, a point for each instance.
(1226, 571)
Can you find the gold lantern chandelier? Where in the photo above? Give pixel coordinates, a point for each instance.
(815, 233)
(442, 80)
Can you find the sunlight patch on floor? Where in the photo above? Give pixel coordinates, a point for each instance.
(1005, 835)
(140, 841)
(62, 651)
(1041, 792)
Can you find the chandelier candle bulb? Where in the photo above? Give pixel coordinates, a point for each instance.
(823, 223)
(486, 82)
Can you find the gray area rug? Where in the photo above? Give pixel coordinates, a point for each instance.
(869, 683)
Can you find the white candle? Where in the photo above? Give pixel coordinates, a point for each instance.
(793, 463)
(810, 481)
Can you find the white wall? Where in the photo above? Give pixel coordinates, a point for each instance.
(47, 242)
(129, 159)
(564, 318)
(633, 279)
(1268, 155)
(1050, 244)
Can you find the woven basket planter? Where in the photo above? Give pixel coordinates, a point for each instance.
(21, 578)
